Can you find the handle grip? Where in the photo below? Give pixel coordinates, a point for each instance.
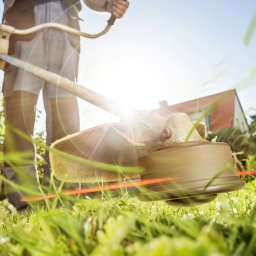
(111, 20)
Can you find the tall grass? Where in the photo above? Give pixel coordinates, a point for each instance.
(126, 226)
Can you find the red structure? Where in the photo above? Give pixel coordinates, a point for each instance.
(218, 111)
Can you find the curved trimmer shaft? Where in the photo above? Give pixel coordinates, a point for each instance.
(22, 32)
(6, 31)
(95, 98)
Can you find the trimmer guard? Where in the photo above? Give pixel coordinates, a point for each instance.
(104, 144)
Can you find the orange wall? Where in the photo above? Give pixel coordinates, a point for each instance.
(222, 114)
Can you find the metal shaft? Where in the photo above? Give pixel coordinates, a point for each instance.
(84, 93)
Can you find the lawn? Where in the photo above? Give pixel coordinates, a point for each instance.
(123, 225)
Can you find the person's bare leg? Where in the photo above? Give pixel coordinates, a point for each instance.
(19, 152)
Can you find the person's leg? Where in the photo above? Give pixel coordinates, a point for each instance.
(62, 119)
(61, 107)
(19, 151)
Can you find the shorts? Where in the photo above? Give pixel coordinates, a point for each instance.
(49, 49)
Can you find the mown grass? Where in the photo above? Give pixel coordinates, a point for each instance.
(124, 225)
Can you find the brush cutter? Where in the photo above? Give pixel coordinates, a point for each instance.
(146, 146)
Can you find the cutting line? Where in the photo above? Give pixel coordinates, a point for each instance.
(100, 189)
(115, 187)
(245, 173)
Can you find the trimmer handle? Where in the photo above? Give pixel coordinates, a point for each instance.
(112, 19)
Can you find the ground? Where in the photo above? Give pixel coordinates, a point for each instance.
(124, 225)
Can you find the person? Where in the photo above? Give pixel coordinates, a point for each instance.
(52, 50)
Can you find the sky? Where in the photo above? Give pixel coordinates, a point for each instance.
(174, 50)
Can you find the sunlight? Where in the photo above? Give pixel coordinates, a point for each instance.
(137, 84)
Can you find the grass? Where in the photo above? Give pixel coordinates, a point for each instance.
(124, 225)
(112, 224)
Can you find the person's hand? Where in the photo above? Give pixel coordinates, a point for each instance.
(117, 7)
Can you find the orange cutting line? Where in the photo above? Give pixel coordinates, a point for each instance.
(115, 187)
(99, 189)
(244, 173)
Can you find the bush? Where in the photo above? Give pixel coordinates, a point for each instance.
(241, 143)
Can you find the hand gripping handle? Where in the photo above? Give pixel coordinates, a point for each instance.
(112, 19)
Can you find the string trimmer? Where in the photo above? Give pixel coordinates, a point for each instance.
(147, 146)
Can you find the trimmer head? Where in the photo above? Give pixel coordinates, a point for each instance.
(198, 169)
(201, 170)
